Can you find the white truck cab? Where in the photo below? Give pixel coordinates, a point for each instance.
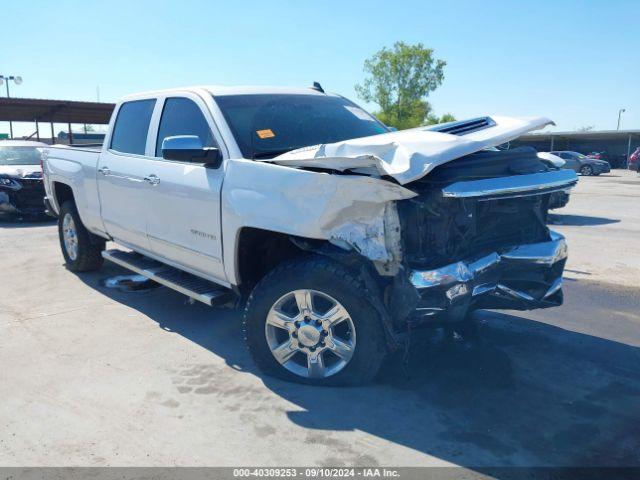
(336, 233)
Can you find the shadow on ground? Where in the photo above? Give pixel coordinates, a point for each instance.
(579, 220)
(527, 394)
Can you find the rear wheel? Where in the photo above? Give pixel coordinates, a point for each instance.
(81, 249)
(586, 170)
(308, 321)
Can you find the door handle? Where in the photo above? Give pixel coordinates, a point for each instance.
(104, 171)
(152, 180)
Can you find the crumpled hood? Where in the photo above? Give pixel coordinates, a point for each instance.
(409, 155)
(21, 171)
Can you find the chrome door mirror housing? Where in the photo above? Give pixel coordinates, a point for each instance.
(189, 148)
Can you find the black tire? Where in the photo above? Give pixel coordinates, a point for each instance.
(586, 170)
(330, 278)
(89, 246)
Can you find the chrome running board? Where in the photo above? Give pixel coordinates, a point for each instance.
(190, 285)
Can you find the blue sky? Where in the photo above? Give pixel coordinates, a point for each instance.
(573, 61)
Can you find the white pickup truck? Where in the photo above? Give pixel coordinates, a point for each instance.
(337, 234)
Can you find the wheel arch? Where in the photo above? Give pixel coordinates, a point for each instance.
(62, 192)
(258, 251)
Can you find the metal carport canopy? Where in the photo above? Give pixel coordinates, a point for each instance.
(56, 111)
(588, 135)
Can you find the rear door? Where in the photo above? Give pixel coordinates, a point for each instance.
(122, 168)
(183, 221)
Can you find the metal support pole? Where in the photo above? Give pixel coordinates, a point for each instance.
(53, 136)
(70, 134)
(620, 112)
(10, 122)
(628, 150)
(551, 146)
(37, 131)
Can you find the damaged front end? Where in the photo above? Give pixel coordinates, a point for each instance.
(21, 196)
(467, 227)
(523, 277)
(476, 236)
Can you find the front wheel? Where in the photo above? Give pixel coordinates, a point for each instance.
(81, 249)
(586, 170)
(308, 321)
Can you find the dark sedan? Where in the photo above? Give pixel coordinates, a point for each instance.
(21, 187)
(582, 164)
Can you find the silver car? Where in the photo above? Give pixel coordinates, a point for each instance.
(21, 188)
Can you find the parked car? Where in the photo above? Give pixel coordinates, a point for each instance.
(614, 160)
(21, 187)
(598, 155)
(634, 160)
(558, 199)
(338, 235)
(582, 164)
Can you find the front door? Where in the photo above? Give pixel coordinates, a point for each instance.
(572, 162)
(121, 172)
(183, 220)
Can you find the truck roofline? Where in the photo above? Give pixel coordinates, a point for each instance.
(221, 90)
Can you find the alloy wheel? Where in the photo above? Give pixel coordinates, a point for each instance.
(70, 236)
(586, 170)
(310, 333)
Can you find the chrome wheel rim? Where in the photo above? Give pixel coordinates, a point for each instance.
(310, 334)
(70, 236)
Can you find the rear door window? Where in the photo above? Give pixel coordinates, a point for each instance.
(132, 127)
(182, 116)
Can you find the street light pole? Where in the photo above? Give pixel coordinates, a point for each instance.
(620, 112)
(17, 80)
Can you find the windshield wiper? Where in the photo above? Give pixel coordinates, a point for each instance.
(270, 153)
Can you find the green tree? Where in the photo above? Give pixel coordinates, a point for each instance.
(399, 80)
(434, 119)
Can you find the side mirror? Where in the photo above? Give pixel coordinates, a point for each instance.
(189, 148)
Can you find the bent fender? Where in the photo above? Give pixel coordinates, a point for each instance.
(352, 211)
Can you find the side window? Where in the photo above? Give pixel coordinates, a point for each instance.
(131, 127)
(181, 116)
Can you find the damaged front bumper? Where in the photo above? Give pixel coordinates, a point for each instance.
(520, 278)
(21, 197)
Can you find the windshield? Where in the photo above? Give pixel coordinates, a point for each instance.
(19, 156)
(268, 125)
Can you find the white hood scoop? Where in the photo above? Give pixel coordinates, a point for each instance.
(409, 155)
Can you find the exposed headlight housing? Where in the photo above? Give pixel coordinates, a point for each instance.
(11, 183)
